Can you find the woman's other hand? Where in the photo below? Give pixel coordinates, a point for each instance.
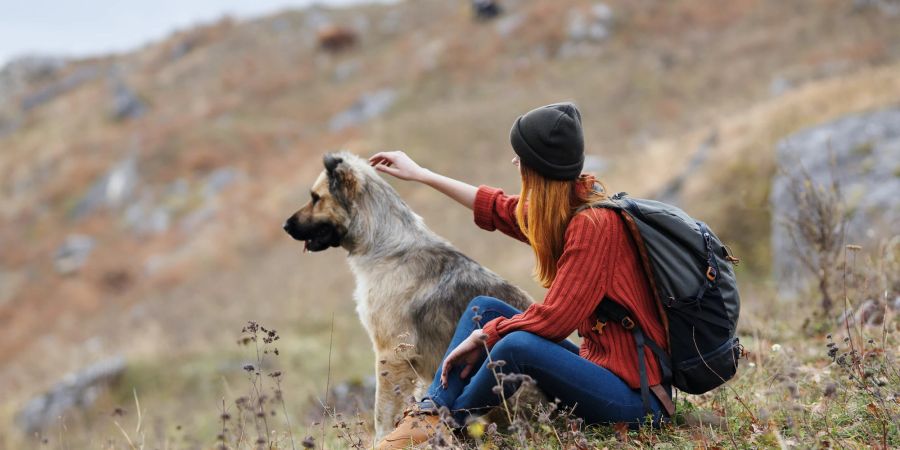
(468, 352)
(398, 164)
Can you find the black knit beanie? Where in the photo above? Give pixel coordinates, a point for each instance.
(549, 140)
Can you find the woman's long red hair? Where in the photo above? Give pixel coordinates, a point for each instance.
(550, 204)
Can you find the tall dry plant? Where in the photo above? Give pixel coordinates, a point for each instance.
(817, 228)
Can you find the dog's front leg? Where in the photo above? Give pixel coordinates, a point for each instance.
(396, 383)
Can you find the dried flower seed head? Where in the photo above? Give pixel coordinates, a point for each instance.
(248, 367)
(118, 412)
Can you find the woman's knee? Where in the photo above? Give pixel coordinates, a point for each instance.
(484, 302)
(518, 344)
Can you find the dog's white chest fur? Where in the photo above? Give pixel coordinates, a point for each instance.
(381, 301)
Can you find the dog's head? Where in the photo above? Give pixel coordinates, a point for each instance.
(324, 221)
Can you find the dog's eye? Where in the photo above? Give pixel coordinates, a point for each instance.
(315, 197)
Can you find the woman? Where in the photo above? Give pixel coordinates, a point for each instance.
(583, 257)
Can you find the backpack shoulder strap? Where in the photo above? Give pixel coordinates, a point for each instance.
(610, 310)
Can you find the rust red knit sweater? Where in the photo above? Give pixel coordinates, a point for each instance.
(599, 261)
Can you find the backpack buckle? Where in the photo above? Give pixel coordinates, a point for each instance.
(627, 323)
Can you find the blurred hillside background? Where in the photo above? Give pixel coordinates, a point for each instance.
(142, 192)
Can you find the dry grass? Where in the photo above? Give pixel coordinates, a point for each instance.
(256, 96)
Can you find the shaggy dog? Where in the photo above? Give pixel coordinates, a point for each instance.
(411, 285)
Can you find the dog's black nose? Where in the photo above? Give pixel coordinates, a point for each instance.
(285, 226)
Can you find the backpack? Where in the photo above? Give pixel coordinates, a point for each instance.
(691, 273)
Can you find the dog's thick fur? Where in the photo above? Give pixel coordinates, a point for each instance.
(411, 285)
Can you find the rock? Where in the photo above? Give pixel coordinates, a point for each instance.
(485, 9)
(865, 150)
(55, 89)
(779, 85)
(508, 25)
(146, 217)
(347, 398)
(73, 253)
(126, 104)
(220, 179)
(20, 73)
(367, 107)
(594, 25)
(198, 217)
(76, 391)
(870, 312)
(890, 8)
(111, 190)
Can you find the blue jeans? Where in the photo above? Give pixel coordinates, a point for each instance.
(597, 395)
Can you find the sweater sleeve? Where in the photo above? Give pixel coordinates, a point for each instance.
(583, 278)
(495, 210)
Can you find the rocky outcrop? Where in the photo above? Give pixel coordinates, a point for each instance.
(862, 153)
(367, 107)
(73, 254)
(22, 72)
(74, 392)
(62, 86)
(126, 103)
(111, 190)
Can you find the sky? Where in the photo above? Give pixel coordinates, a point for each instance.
(89, 27)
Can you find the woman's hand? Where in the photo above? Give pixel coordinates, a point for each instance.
(467, 352)
(399, 165)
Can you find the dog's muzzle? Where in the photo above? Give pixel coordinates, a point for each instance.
(317, 236)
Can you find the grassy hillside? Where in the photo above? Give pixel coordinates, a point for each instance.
(236, 115)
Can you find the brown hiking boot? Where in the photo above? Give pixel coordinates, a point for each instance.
(415, 427)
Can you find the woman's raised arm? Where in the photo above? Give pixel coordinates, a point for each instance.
(403, 167)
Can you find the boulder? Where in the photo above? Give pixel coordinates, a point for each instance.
(20, 73)
(220, 179)
(347, 398)
(76, 391)
(111, 190)
(57, 88)
(73, 253)
(367, 107)
(862, 153)
(593, 25)
(126, 104)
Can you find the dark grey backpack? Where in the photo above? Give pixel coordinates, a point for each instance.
(691, 273)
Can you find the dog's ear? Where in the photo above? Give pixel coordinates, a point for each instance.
(341, 181)
(332, 162)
